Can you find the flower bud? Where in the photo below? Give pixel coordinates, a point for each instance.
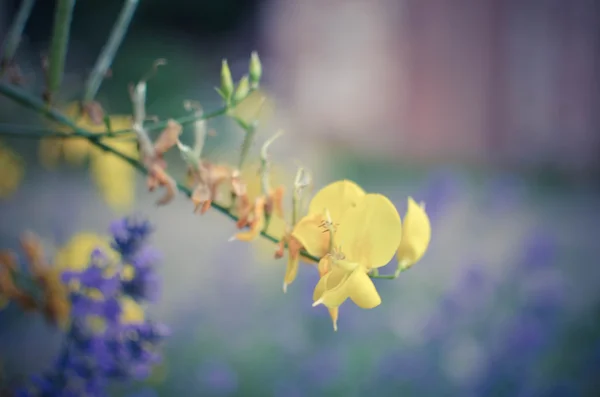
(226, 81)
(242, 90)
(255, 69)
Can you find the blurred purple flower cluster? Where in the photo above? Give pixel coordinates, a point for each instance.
(105, 343)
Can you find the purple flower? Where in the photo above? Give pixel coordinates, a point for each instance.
(92, 357)
(129, 235)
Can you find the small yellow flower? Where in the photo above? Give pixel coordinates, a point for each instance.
(368, 235)
(13, 169)
(114, 178)
(416, 235)
(258, 106)
(131, 311)
(75, 254)
(335, 198)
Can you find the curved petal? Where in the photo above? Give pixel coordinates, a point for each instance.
(324, 265)
(337, 197)
(257, 224)
(362, 291)
(371, 232)
(416, 235)
(334, 313)
(335, 288)
(291, 270)
(310, 234)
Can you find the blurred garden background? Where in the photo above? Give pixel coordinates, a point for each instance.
(486, 110)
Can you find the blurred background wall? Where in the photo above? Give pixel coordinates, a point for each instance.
(485, 109)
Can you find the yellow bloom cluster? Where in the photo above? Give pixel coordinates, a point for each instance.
(354, 234)
(113, 177)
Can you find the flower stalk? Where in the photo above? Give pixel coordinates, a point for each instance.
(110, 49)
(13, 38)
(59, 46)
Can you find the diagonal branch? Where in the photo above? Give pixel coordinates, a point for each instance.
(31, 102)
(22, 97)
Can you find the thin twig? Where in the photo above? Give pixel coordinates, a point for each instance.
(31, 102)
(109, 51)
(13, 38)
(22, 97)
(32, 132)
(59, 46)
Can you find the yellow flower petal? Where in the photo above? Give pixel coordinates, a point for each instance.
(337, 197)
(324, 266)
(257, 106)
(370, 233)
(115, 178)
(332, 289)
(75, 255)
(416, 235)
(76, 150)
(131, 312)
(362, 290)
(310, 233)
(334, 313)
(291, 270)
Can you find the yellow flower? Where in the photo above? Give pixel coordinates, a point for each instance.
(258, 106)
(335, 198)
(75, 255)
(416, 234)
(368, 236)
(131, 311)
(114, 178)
(13, 168)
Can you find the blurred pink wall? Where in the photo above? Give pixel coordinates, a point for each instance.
(503, 81)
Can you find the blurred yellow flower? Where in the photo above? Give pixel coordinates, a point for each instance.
(13, 169)
(131, 311)
(416, 235)
(258, 106)
(115, 178)
(368, 237)
(75, 254)
(336, 198)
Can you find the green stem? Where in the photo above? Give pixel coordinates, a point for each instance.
(246, 144)
(34, 103)
(27, 132)
(13, 38)
(109, 51)
(59, 45)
